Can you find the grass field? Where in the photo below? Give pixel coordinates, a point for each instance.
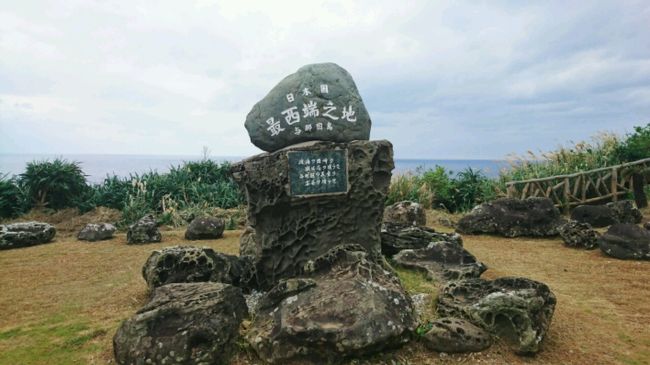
(61, 303)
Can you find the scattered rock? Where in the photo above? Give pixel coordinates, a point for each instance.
(205, 228)
(626, 241)
(442, 262)
(350, 305)
(647, 225)
(535, 217)
(187, 264)
(396, 237)
(517, 309)
(25, 234)
(189, 323)
(595, 215)
(454, 335)
(316, 95)
(143, 231)
(97, 232)
(626, 212)
(406, 212)
(289, 230)
(579, 235)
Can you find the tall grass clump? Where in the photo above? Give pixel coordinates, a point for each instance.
(12, 198)
(54, 184)
(580, 156)
(438, 188)
(205, 184)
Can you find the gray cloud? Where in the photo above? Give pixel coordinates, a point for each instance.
(441, 80)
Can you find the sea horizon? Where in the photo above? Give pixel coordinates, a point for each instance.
(98, 166)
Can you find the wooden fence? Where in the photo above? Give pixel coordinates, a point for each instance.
(607, 183)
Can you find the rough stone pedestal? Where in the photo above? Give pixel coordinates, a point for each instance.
(291, 227)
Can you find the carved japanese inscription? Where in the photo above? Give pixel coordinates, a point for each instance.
(318, 172)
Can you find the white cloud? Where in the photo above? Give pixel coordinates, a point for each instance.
(441, 80)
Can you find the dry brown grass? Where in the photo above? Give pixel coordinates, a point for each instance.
(62, 302)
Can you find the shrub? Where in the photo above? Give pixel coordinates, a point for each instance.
(12, 199)
(441, 189)
(636, 146)
(57, 184)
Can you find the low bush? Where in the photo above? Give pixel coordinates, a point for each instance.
(440, 189)
(57, 184)
(12, 198)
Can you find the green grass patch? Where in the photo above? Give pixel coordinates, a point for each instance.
(60, 339)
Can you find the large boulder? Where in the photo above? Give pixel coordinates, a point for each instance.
(396, 237)
(579, 235)
(517, 309)
(205, 228)
(293, 222)
(190, 323)
(594, 215)
(406, 212)
(96, 232)
(187, 264)
(25, 234)
(534, 217)
(441, 261)
(455, 335)
(318, 102)
(626, 212)
(348, 305)
(144, 230)
(626, 241)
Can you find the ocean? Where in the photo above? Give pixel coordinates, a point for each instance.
(98, 166)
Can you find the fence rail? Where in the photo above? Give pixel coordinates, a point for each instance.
(581, 187)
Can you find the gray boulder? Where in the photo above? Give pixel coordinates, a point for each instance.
(441, 261)
(579, 235)
(144, 231)
(594, 215)
(455, 335)
(533, 217)
(517, 309)
(626, 212)
(187, 264)
(25, 234)
(291, 230)
(626, 241)
(318, 102)
(349, 305)
(96, 232)
(406, 212)
(204, 228)
(396, 237)
(190, 323)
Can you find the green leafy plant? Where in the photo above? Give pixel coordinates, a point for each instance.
(12, 198)
(56, 184)
(636, 146)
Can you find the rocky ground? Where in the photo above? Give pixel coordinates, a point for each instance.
(62, 302)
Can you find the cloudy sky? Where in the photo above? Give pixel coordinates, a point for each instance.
(444, 80)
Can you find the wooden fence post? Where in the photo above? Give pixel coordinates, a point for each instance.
(614, 184)
(567, 199)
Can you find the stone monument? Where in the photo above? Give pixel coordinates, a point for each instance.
(322, 183)
(315, 208)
